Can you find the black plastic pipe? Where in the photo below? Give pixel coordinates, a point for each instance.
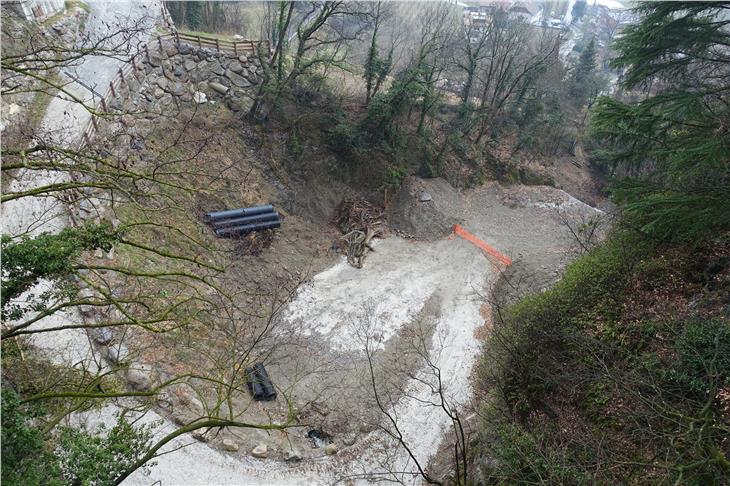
(239, 230)
(269, 391)
(253, 382)
(258, 218)
(238, 213)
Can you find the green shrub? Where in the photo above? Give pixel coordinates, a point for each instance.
(26, 459)
(73, 456)
(100, 458)
(521, 458)
(345, 139)
(394, 176)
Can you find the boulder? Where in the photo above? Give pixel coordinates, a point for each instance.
(261, 451)
(179, 71)
(189, 65)
(87, 294)
(158, 93)
(155, 59)
(102, 335)
(218, 88)
(424, 197)
(216, 68)
(200, 435)
(184, 49)
(239, 104)
(230, 445)
(178, 88)
(140, 376)
(117, 353)
(238, 80)
(199, 97)
(331, 449)
(236, 67)
(170, 49)
(162, 82)
(292, 455)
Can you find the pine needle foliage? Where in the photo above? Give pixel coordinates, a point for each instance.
(674, 145)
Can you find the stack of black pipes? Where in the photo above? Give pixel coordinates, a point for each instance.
(259, 383)
(236, 222)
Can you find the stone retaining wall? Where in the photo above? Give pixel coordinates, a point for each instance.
(166, 75)
(171, 72)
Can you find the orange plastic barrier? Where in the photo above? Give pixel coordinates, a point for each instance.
(488, 249)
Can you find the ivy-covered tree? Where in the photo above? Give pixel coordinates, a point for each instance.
(673, 146)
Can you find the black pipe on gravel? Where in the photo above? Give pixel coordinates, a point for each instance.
(238, 213)
(269, 391)
(253, 382)
(240, 230)
(258, 218)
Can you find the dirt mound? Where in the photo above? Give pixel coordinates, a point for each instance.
(413, 212)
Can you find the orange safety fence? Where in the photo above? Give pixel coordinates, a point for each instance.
(486, 248)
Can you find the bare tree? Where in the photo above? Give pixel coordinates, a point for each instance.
(129, 276)
(305, 38)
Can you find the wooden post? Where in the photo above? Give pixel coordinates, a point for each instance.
(147, 53)
(235, 47)
(177, 37)
(217, 44)
(93, 122)
(111, 86)
(121, 76)
(159, 41)
(200, 44)
(103, 104)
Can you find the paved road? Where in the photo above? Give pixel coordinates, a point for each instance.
(64, 122)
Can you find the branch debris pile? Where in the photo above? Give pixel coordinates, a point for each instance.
(359, 222)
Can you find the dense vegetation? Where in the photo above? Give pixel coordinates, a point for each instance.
(621, 372)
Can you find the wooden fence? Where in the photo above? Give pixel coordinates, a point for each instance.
(135, 64)
(235, 46)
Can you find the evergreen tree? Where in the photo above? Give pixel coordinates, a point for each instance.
(194, 14)
(579, 9)
(582, 81)
(675, 143)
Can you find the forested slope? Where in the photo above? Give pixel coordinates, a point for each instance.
(621, 372)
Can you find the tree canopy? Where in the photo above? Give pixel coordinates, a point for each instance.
(673, 144)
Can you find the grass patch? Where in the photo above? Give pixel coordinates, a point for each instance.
(70, 4)
(213, 35)
(39, 105)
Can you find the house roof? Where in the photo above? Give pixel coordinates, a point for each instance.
(530, 8)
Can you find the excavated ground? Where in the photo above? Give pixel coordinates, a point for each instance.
(412, 295)
(417, 302)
